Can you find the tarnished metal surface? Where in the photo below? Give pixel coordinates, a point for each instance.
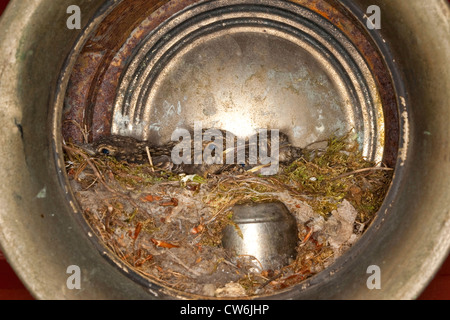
(333, 11)
(234, 65)
(96, 75)
(244, 65)
(319, 93)
(38, 235)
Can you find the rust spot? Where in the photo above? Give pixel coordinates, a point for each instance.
(74, 106)
(96, 76)
(335, 12)
(94, 82)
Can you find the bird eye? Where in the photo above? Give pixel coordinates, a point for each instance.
(104, 151)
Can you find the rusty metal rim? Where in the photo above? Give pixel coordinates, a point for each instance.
(26, 237)
(155, 286)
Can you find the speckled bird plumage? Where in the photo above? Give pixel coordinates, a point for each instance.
(131, 150)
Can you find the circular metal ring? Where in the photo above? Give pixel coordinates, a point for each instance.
(41, 234)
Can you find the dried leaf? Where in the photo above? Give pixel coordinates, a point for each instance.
(137, 230)
(140, 262)
(172, 203)
(163, 244)
(150, 198)
(198, 229)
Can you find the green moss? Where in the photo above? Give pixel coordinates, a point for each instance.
(327, 177)
(213, 235)
(323, 176)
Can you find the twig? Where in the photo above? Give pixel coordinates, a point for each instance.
(272, 185)
(150, 158)
(315, 142)
(360, 171)
(270, 280)
(93, 182)
(257, 168)
(252, 258)
(223, 209)
(182, 263)
(84, 131)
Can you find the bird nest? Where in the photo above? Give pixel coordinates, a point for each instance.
(168, 227)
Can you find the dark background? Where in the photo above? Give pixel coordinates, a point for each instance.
(12, 288)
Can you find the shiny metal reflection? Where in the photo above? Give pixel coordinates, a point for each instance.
(240, 66)
(265, 231)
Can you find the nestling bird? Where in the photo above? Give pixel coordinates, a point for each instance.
(131, 150)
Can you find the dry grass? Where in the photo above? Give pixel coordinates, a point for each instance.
(131, 225)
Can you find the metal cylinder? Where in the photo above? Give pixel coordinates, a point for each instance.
(42, 231)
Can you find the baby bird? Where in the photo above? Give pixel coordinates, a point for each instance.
(131, 150)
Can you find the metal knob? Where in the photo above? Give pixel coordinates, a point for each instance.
(266, 231)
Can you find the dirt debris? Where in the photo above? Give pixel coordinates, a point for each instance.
(168, 227)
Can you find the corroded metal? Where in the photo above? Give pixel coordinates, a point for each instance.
(305, 68)
(337, 13)
(95, 91)
(244, 65)
(96, 75)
